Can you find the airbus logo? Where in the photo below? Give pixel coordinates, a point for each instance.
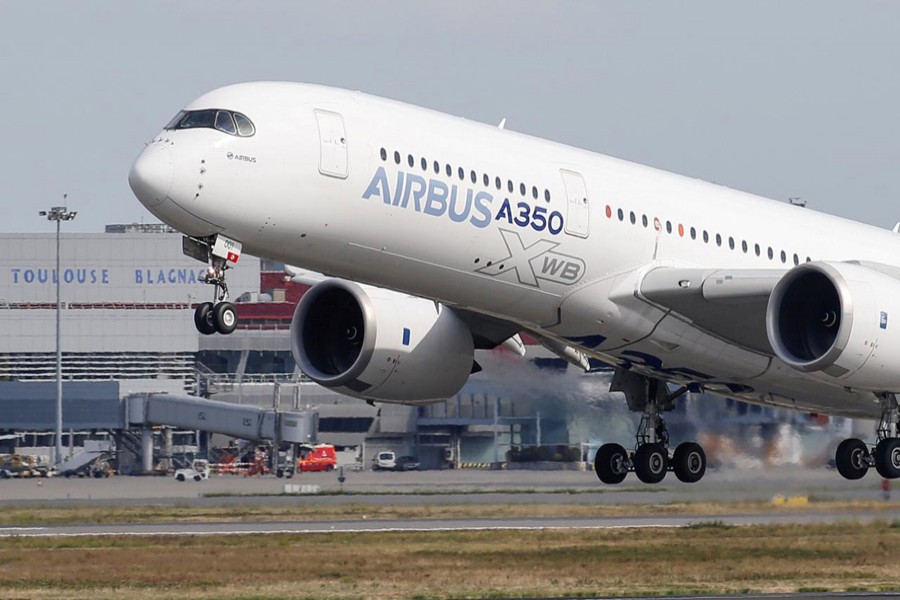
(536, 262)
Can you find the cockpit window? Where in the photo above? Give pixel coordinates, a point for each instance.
(245, 127)
(225, 121)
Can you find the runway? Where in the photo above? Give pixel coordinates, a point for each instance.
(425, 525)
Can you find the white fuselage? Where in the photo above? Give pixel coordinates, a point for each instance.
(414, 200)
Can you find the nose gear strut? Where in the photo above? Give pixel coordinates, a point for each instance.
(219, 253)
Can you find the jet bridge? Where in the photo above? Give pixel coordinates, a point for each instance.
(189, 412)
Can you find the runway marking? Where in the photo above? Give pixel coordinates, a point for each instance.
(51, 534)
(22, 528)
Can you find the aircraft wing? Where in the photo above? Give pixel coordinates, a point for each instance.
(728, 303)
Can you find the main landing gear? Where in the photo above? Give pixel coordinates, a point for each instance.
(650, 459)
(219, 316)
(853, 457)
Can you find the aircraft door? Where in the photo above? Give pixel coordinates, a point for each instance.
(578, 214)
(332, 144)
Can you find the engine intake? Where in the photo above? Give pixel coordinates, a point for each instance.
(831, 319)
(380, 345)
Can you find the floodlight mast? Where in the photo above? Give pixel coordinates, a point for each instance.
(58, 214)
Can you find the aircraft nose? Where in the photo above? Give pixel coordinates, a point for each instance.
(152, 174)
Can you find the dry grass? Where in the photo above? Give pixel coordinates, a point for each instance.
(37, 515)
(702, 559)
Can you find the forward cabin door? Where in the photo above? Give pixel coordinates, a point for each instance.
(578, 213)
(332, 144)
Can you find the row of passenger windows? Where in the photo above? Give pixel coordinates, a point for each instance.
(473, 176)
(704, 235)
(226, 121)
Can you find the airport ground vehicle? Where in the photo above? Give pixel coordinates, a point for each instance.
(317, 458)
(198, 471)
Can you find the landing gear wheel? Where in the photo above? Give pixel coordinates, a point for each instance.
(689, 462)
(610, 464)
(651, 461)
(851, 459)
(203, 318)
(887, 458)
(224, 317)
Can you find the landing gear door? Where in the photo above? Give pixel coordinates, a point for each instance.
(578, 214)
(332, 144)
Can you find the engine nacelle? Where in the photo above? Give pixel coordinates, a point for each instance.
(835, 321)
(380, 345)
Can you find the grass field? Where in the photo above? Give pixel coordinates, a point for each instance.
(705, 558)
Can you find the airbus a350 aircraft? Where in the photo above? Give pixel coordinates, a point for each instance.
(441, 236)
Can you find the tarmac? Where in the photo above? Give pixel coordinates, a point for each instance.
(443, 487)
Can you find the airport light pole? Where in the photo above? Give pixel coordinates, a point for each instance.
(58, 214)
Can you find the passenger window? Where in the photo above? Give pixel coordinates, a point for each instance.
(744, 246)
(693, 233)
(620, 214)
(771, 253)
(534, 192)
(410, 160)
(437, 168)
(498, 183)
(449, 171)
(718, 240)
(668, 226)
(644, 220)
(522, 188)
(396, 157)
(487, 180)
(547, 195)
(632, 217)
(462, 174)
(383, 154)
(244, 125)
(783, 257)
(474, 177)
(731, 242)
(424, 164)
(509, 185)
(796, 259)
(756, 248)
(705, 237)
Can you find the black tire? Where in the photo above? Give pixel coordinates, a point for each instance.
(225, 317)
(197, 478)
(279, 473)
(179, 477)
(887, 458)
(850, 459)
(611, 463)
(689, 462)
(651, 461)
(203, 318)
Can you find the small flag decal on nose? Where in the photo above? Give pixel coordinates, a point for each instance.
(883, 320)
(406, 334)
(232, 257)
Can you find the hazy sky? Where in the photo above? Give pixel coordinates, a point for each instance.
(777, 98)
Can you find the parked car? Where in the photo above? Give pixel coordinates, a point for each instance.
(407, 463)
(388, 461)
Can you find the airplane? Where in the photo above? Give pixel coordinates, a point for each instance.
(438, 236)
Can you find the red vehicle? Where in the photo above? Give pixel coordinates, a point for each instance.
(317, 458)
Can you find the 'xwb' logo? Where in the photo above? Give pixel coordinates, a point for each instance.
(535, 262)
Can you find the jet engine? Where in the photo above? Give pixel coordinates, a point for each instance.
(380, 345)
(835, 321)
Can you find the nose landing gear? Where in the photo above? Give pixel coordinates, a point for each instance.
(219, 316)
(650, 460)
